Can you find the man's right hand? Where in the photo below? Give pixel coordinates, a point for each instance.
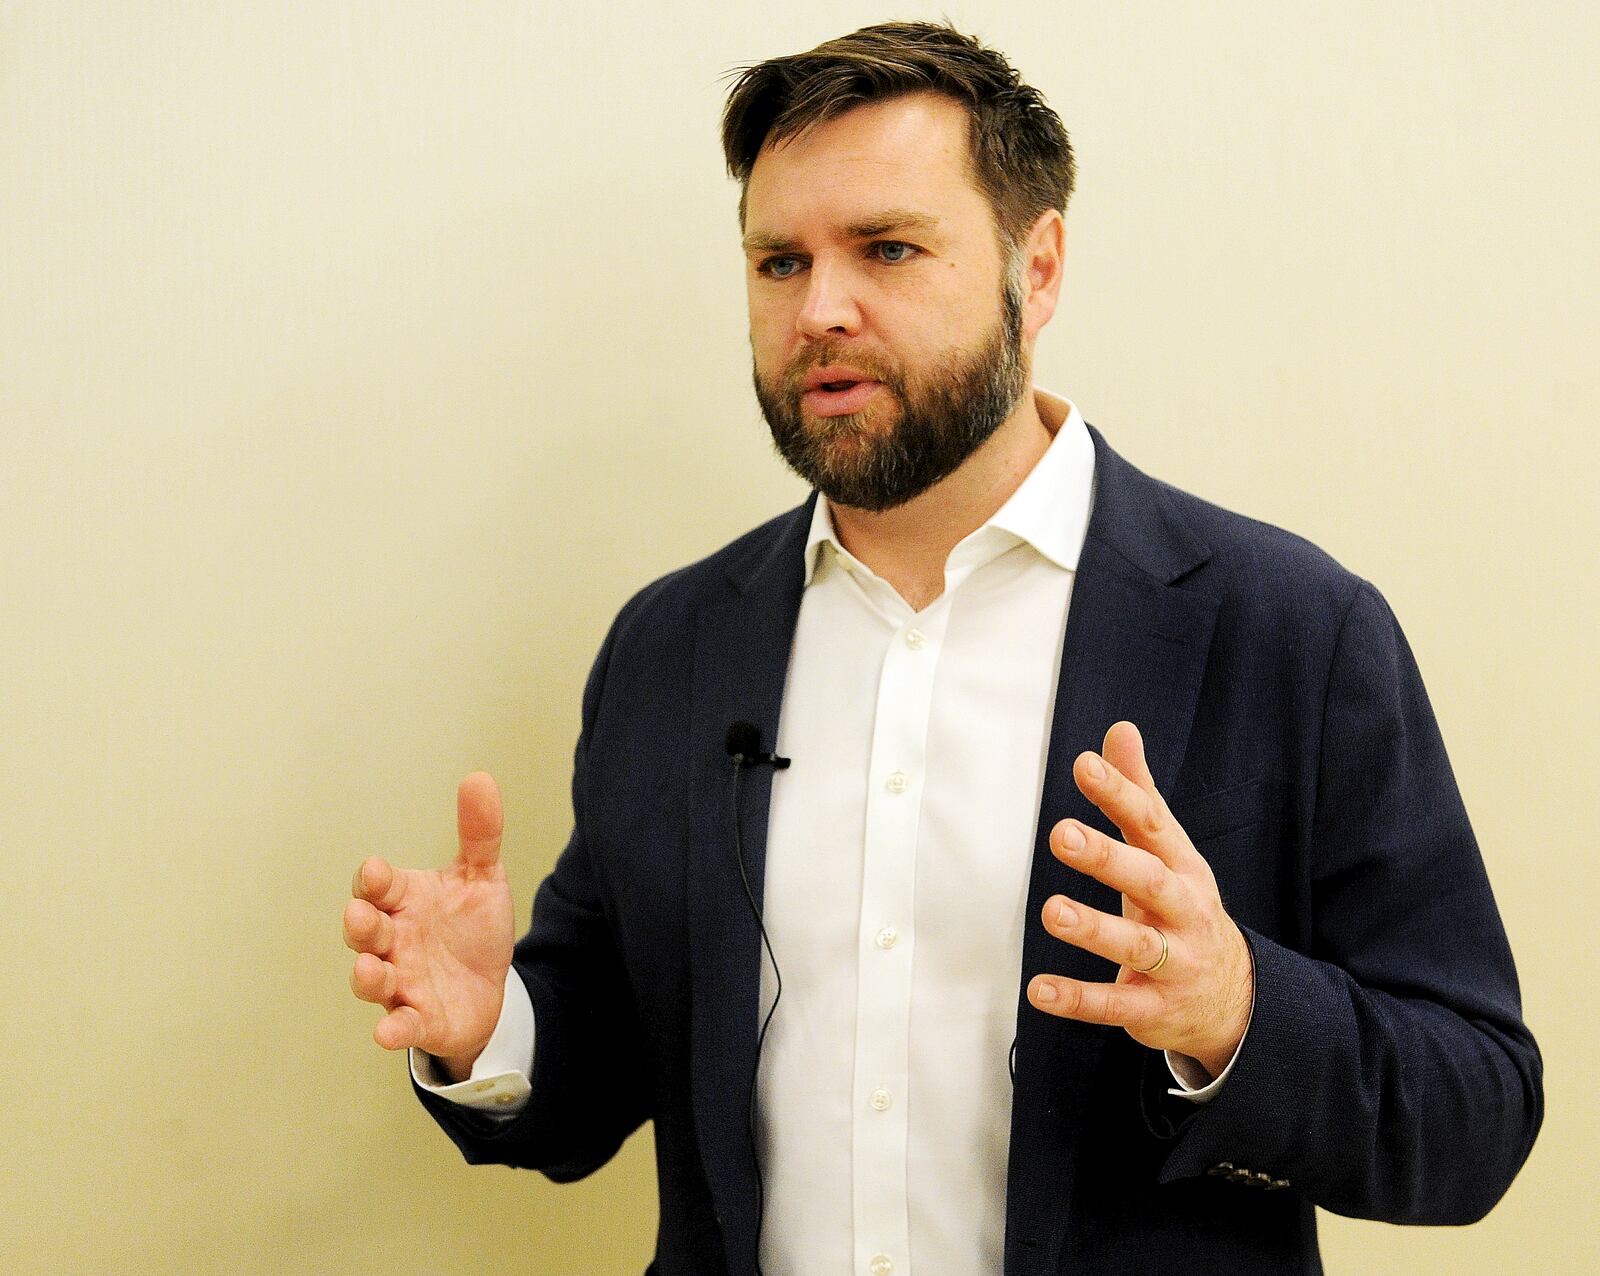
(433, 948)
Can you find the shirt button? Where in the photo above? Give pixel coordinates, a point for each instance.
(885, 938)
(915, 639)
(880, 1265)
(897, 782)
(880, 1100)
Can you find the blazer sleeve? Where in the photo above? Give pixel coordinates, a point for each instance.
(588, 1093)
(1387, 1073)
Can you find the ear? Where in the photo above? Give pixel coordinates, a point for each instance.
(1042, 253)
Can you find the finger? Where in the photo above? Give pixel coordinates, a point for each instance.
(1141, 815)
(366, 930)
(1136, 873)
(399, 1029)
(1124, 749)
(480, 819)
(373, 979)
(378, 882)
(1126, 1005)
(1119, 939)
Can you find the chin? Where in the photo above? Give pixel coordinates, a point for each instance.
(868, 421)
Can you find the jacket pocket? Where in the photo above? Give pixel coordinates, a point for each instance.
(1225, 810)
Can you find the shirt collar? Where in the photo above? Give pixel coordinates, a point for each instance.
(1049, 510)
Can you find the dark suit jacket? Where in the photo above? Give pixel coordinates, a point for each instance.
(1386, 1073)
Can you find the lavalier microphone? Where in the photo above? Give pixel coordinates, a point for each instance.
(743, 744)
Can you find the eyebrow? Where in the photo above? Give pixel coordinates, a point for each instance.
(890, 220)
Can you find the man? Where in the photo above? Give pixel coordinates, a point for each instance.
(1119, 905)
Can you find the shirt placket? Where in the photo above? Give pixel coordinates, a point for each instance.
(886, 942)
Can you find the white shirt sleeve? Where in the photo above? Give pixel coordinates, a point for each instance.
(1193, 1079)
(498, 1084)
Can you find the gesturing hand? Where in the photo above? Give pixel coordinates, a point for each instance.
(433, 948)
(1195, 1002)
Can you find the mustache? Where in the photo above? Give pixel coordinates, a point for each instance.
(820, 356)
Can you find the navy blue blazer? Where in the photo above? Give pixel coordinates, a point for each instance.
(1386, 1074)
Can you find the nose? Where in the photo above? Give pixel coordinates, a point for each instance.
(829, 308)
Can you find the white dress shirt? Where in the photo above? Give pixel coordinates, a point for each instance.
(899, 848)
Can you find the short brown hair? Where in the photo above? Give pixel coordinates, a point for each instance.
(1018, 148)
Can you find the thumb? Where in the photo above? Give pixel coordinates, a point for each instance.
(1124, 749)
(480, 818)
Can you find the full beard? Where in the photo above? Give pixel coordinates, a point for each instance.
(940, 425)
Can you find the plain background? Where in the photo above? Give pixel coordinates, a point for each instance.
(358, 360)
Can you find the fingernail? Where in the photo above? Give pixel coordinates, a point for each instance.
(1066, 915)
(1093, 767)
(1072, 837)
(1045, 992)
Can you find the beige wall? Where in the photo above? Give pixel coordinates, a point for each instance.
(357, 360)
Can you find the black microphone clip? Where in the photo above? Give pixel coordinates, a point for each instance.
(743, 744)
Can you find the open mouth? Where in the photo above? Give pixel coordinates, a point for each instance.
(841, 396)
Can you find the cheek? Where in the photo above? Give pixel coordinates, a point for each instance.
(773, 338)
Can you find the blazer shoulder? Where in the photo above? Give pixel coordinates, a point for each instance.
(1163, 531)
(674, 597)
(1252, 557)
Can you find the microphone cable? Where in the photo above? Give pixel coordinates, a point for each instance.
(740, 760)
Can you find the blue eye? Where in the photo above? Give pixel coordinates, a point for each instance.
(771, 267)
(892, 250)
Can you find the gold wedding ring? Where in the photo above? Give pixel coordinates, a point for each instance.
(1161, 960)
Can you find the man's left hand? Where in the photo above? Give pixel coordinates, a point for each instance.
(1197, 1001)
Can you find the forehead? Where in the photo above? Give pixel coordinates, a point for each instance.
(910, 153)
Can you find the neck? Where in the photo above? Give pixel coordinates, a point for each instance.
(908, 545)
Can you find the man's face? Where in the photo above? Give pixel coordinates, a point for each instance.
(887, 344)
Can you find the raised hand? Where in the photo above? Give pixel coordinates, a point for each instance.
(433, 947)
(1186, 982)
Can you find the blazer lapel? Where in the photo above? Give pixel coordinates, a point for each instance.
(742, 649)
(1135, 647)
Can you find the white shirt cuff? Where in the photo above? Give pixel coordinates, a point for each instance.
(498, 1083)
(1194, 1081)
